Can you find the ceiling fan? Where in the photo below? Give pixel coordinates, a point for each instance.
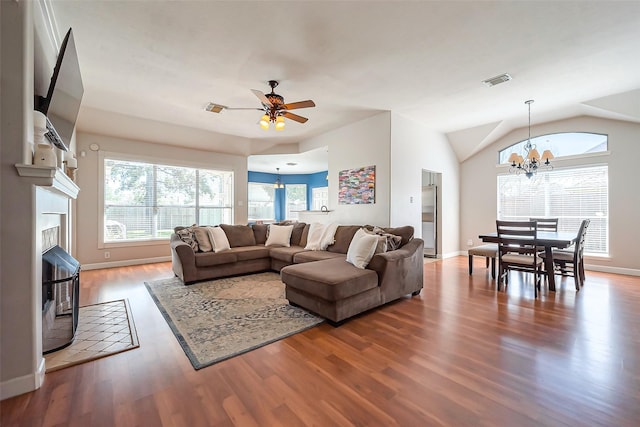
(275, 110)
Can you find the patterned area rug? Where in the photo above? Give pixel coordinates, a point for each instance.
(103, 329)
(222, 318)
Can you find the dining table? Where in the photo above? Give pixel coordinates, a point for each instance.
(550, 240)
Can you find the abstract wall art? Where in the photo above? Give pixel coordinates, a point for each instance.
(357, 186)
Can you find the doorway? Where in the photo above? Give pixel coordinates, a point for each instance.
(431, 188)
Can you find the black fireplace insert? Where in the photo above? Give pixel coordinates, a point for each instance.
(60, 299)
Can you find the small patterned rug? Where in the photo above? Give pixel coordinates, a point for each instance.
(103, 329)
(219, 319)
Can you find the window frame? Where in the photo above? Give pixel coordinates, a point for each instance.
(109, 155)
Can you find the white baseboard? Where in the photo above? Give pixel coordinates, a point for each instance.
(23, 384)
(125, 263)
(454, 254)
(615, 270)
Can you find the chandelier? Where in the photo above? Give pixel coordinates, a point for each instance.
(278, 183)
(532, 161)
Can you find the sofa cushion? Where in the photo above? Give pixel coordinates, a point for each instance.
(331, 279)
(279, 235)
(296, 233)
(260, 233)
(239, 235)
(303, 236)
(343, 236)
(309, 256)
(245, 253)
(285, 254)
(208, 259)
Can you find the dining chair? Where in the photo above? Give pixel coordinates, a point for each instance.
(571, 262)
(546, 224)
(517, 251)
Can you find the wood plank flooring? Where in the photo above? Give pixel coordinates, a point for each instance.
(459, 354)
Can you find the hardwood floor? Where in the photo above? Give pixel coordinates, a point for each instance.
(458, 354)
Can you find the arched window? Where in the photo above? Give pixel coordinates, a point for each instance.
(571, 193)
(560, 144)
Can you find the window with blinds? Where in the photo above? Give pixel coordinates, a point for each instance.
(296, 199)
(571, 195)
(145, 201)
(261, 202)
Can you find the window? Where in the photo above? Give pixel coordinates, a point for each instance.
(144, 201)
(296, 199)
(319, 197)
(561, 144)
(261, 202)
(568, 194)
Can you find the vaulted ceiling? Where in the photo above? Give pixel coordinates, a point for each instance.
(164, 61)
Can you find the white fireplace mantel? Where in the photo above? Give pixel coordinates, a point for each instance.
(52, 177)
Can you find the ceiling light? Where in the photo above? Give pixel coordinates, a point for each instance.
(497, 80)
(264, 122)
(280, 123)
(532, 161)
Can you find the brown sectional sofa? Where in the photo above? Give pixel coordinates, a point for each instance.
(320, 281)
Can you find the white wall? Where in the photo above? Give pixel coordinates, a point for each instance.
(87, 214)
(479, 199)
(364, 143)
(414, 147)
(21, 360)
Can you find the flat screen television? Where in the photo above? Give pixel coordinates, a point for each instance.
(62, 103)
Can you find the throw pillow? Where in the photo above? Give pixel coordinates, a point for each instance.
(393, 241)
(219, 239)
(320, 236)
(202, 237)
(279, 235)
(361, 249)
(381, 247)
(187, 235)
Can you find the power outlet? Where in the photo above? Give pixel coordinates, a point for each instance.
(107, 255)
(470, 242)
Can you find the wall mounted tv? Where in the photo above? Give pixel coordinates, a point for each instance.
(62, 103)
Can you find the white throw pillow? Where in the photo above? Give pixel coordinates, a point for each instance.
(361, 249)
(219, 239)
(320, 236)
(279, 235)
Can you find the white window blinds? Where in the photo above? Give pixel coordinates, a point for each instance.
(571, 195)
(145, 201)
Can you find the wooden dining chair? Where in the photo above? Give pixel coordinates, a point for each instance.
(571, 262)
(546, 224)
(517, 251)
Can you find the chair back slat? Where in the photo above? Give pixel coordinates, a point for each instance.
(546, 224)
(582, 233)
(517, 236)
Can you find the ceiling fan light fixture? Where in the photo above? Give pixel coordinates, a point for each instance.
(280, 123)
(264, 122)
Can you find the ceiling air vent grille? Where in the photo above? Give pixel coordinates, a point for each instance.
(497, 80)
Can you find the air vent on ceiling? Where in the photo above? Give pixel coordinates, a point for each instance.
(497, 80)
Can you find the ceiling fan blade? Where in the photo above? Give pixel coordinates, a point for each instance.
(301, 104)
(214, 108)
(294, 117)
(261, 96)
